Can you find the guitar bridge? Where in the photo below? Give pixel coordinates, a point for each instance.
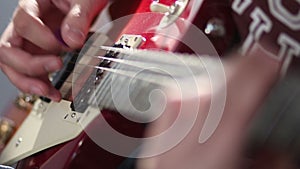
(130, 41)
(126, 41)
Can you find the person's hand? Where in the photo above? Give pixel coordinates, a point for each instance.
(39, 30)
(248, 81)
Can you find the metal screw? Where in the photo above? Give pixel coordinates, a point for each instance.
(19, 141)
(215, 27)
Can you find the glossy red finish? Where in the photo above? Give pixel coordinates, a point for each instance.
(145, 23)
(216, 9)
(82, 152)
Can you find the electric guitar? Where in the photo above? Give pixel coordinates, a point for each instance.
(67, 134)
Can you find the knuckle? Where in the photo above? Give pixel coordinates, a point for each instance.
(23, 89)
(31, 70)
(20, 23)
(3, 55)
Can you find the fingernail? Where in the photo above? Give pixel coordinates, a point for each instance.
(36, 90)
(74, 34)
(52, 66)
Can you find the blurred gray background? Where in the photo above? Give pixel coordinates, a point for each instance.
(8, 91)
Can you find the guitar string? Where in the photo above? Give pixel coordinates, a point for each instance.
(122, 72)
(187, 59)
(127, 73)
(138, 64)
(103, 94)
(105, 82)
(118, 71)
(114, 71)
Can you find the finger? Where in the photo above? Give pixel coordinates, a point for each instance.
(33, 49)
(32, 85)
(10, 37)
(77, 22)
(53, 93)
(34, 30)
(62, 5)
(27, 64)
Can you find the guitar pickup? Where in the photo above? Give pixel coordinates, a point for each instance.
(126, 41)
(129, 41)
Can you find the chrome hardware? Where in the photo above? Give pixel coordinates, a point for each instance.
(130, 41)
(215, 27)
(72, 117)
(126, 41)
(171, 12)
(7, 128)
(158, 7)
(19, 141)
(25, 101)
(39, 108)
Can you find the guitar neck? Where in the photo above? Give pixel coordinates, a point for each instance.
(161, 29)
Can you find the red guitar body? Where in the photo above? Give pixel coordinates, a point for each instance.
(82, 152)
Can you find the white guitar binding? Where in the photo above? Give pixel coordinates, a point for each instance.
(47, 125)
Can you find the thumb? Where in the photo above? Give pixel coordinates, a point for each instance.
(78, 20)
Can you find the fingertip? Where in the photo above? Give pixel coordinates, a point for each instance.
(55, 98)
(76, 24)
(54, 95)
(53, 65)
